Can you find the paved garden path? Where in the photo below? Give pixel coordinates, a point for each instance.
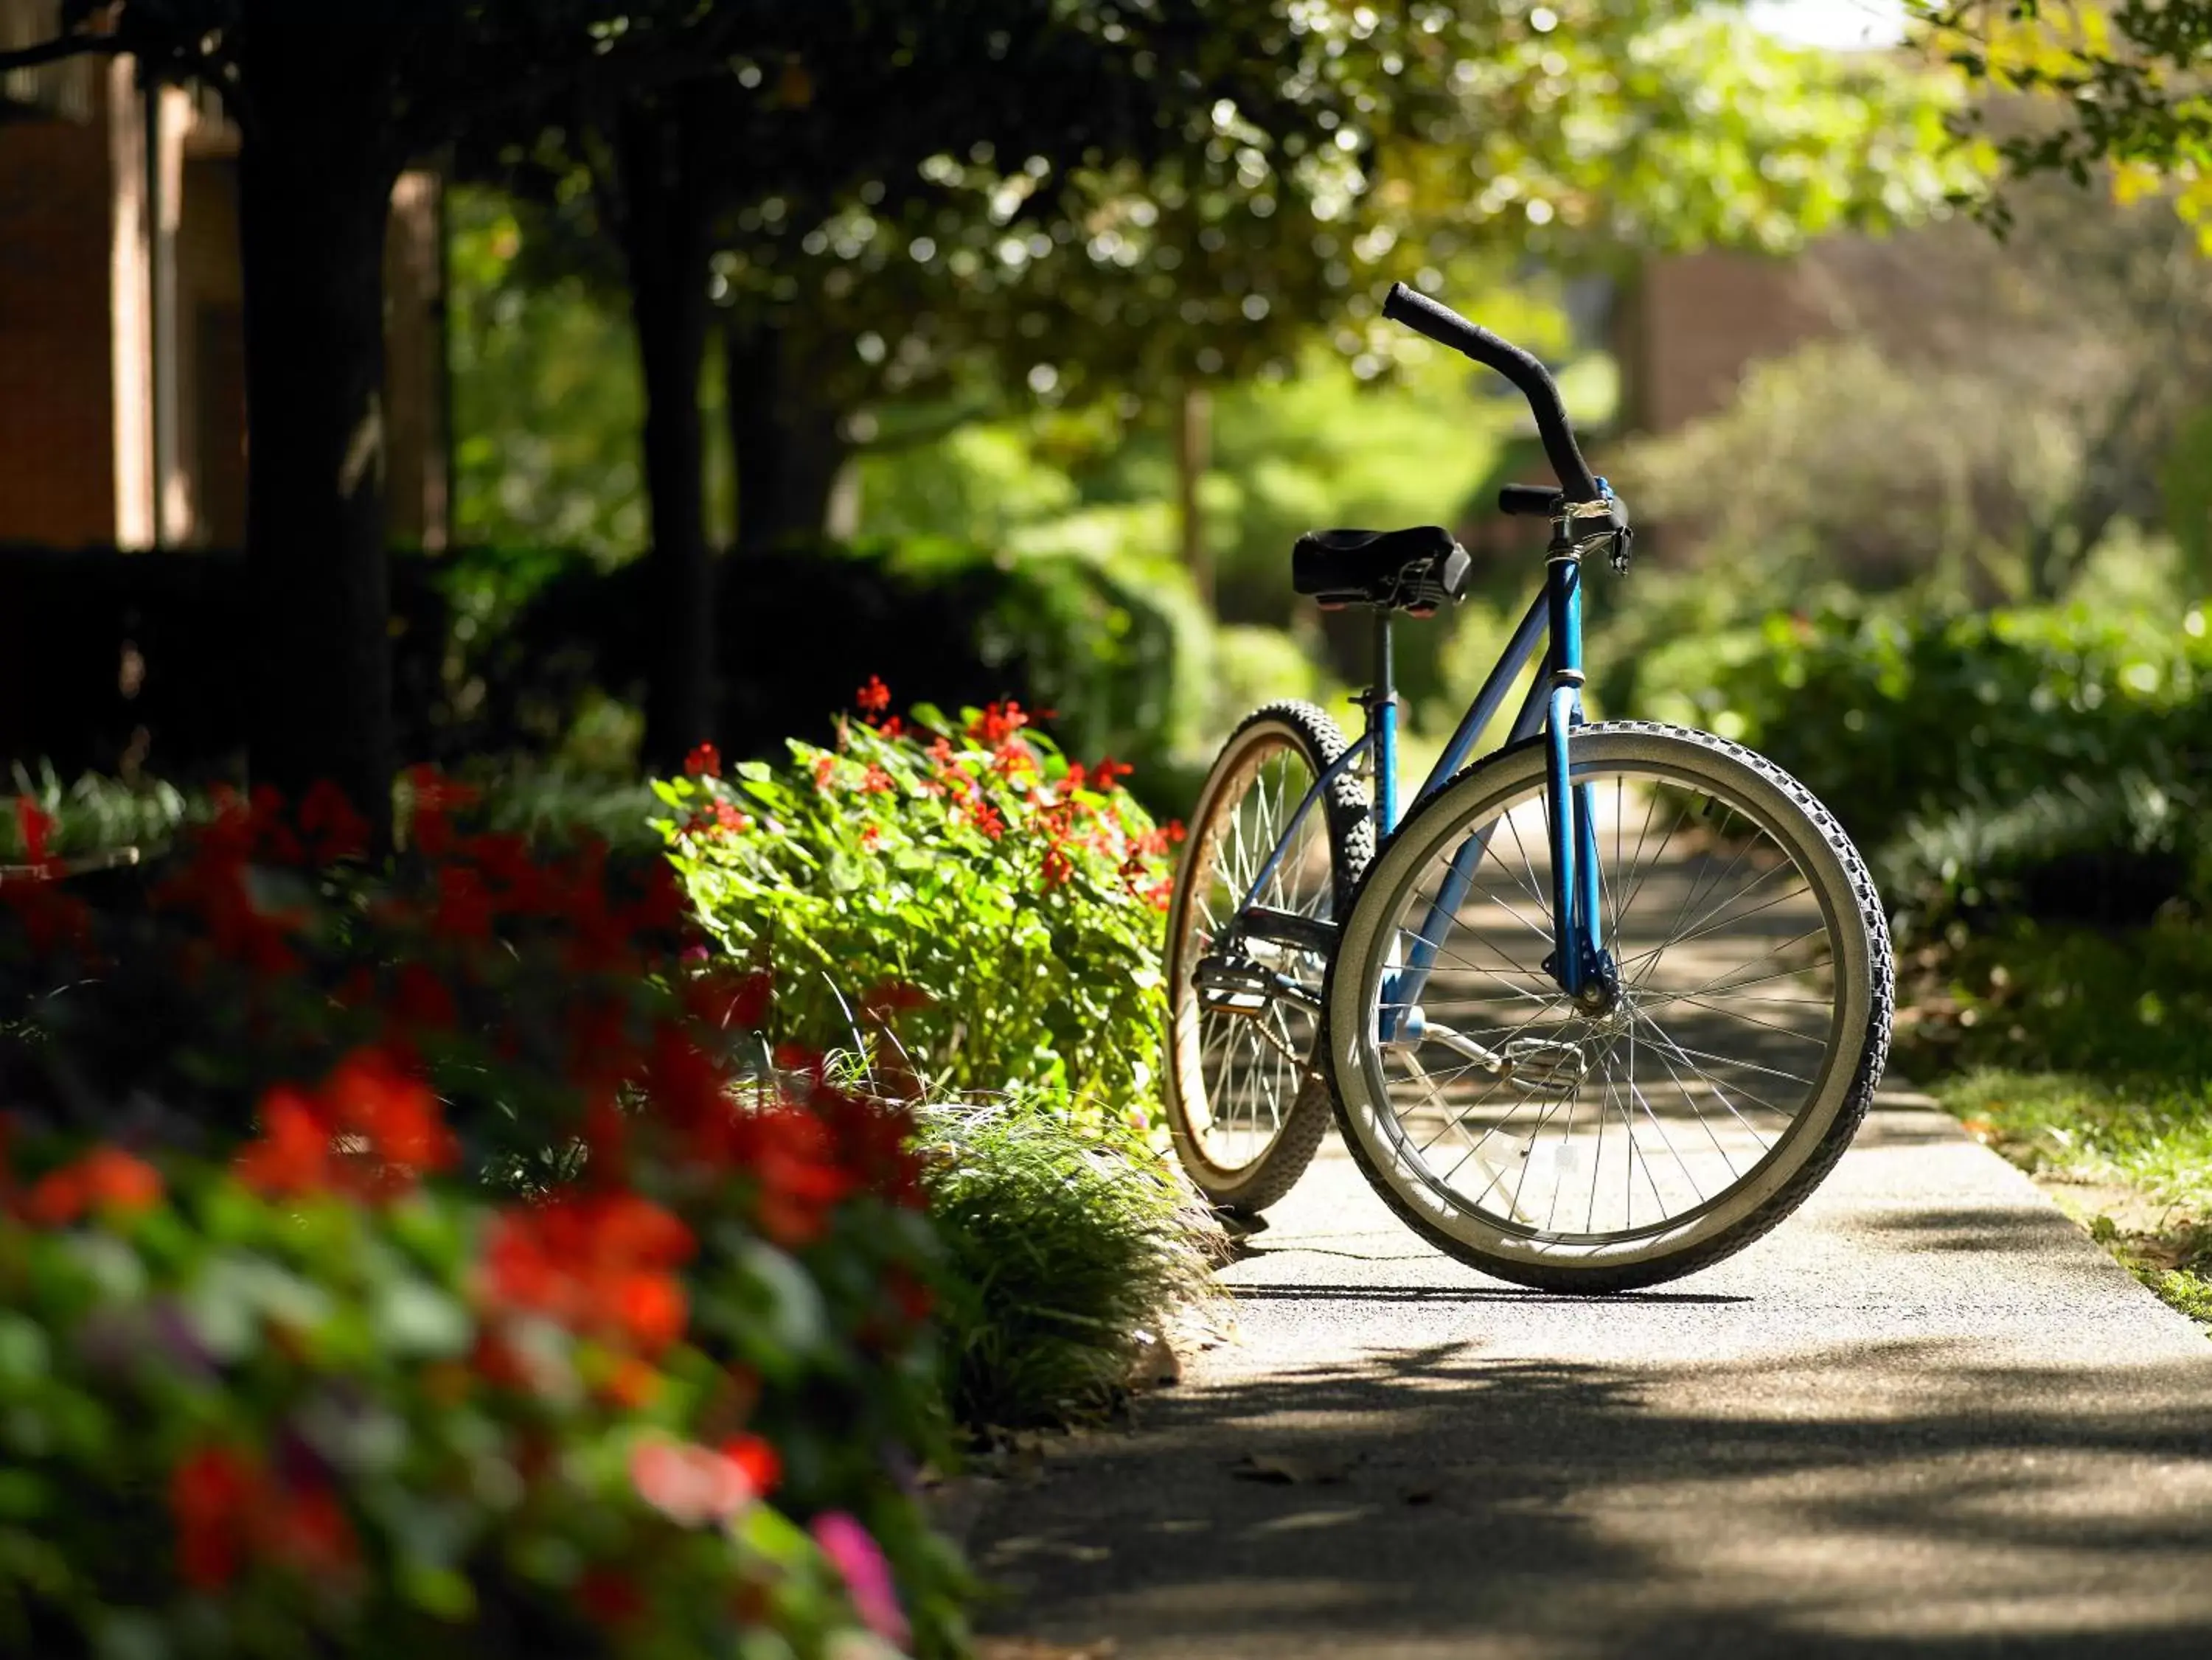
(1925, 1417)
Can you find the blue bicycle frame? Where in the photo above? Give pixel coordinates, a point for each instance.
(1553, 706)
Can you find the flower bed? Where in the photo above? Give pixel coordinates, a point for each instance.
(410, 1258)
(960, 881)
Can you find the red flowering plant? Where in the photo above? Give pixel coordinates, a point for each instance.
(417, 1252)
(955, 902)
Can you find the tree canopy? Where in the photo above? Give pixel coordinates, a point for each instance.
(2121, 87)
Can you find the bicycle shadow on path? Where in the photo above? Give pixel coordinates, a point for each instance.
(1927, 1419)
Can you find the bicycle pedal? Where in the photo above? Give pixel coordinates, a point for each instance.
(1542, 1063)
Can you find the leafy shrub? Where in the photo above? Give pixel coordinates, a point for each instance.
(1003, 903)
(293, 1038)
(503, 650)
(2045, 757)
(2127, 1008)
(1062, 1251)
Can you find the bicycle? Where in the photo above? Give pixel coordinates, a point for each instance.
(1633, 1103)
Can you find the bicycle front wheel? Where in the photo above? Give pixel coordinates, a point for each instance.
(1248, 1094)
(1599, 1149)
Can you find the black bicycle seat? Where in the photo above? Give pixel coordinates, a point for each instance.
(1415, 570)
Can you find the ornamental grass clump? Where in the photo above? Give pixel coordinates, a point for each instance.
(1063, 1254)
(408, 1255)
(962, 882)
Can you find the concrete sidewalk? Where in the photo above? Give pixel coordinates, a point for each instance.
(1926, 1418)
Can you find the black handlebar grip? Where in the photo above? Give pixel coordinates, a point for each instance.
(1445, 326)
(1528, 500)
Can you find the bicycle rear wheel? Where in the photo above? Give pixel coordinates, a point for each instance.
(1248, 1094)
(1575, 1150)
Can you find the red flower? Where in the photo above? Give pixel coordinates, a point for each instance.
(394, 1112)
(998, 723)
(825, 769)
(337, 831)
(599, 1264)
(873, 697)
(106, 1178)
(419, 998)
(307, 1531)
(436, 797)
(985, 817)
(704, 762)
(757, 1461)
(293, 1155)
(34, 824)
(1108, 773)
(650, 1308)
(609, 1598)
(1058, 867)
(878, 782)
(464, 905)
(872, 837)
(395, 1117)
(212, 1494)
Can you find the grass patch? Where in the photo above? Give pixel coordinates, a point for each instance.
(1061, 1250)
(2131, 1161)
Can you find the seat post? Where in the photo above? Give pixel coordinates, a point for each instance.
(1382, 703)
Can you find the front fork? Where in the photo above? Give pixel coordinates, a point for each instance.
(1579, 962)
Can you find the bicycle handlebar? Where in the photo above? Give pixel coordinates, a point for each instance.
(1445, 326)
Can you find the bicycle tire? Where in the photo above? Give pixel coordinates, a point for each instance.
(1250, 1187)
(1751, 1205)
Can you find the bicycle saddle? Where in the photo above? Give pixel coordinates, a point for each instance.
(1415, 570)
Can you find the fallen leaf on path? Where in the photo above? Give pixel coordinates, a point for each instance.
(1287, 1470)
(1154, 1363)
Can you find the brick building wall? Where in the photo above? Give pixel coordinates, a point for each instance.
(57, 400)
(1689, 325)
(122, 336)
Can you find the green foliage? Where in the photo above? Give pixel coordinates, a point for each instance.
(1297, 160)
(957, 903)
(2119, 86)
(2047, 757)
(1063, 1249)
(1255, 666)
(1987, 417)
(2132, 1008)
(546, 398)
(93, 814)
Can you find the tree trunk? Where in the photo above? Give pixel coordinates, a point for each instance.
(665, 212)
(1193, 445)
(313, 190)
(789, 442)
